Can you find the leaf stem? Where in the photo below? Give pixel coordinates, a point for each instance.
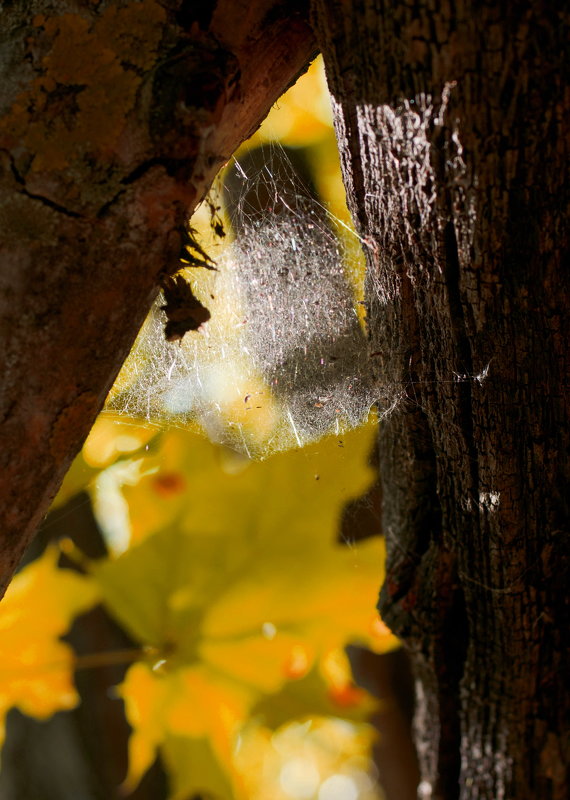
(111, 658)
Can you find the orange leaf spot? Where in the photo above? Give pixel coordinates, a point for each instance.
(346, 696)
(169, 484)
(298, 663)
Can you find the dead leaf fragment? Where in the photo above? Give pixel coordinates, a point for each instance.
(183, 310)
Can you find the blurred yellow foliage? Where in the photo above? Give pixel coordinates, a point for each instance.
(35, 666)
(322, 757)
(302, 116)
(237, 584)
(190, 707)
(110, 440)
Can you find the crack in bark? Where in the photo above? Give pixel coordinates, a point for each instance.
(8, 412)
(109, 204)
(171, 165)
(44, 200)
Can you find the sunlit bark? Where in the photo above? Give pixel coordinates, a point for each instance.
(450, 125)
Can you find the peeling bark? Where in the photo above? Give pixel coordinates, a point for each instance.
(114, 119)
(450, 124)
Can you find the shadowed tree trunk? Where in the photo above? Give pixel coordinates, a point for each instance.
(449, 119)
(114, 118)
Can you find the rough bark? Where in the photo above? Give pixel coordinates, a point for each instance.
(114, 118)
(450, 123)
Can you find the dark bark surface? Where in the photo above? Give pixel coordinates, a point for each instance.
(114, 119)
(450, 124)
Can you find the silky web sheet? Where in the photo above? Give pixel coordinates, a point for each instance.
(284, 358)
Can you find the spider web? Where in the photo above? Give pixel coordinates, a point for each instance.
(284, 358)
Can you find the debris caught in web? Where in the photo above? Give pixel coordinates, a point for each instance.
(284, 330)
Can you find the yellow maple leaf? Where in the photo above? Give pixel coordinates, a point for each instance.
(35, 666)
(239, 585)
(109, 440)
(165, 706)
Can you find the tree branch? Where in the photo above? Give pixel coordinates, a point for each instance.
(114, 122)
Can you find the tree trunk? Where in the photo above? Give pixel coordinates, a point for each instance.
(114, 119)
(449, 119)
